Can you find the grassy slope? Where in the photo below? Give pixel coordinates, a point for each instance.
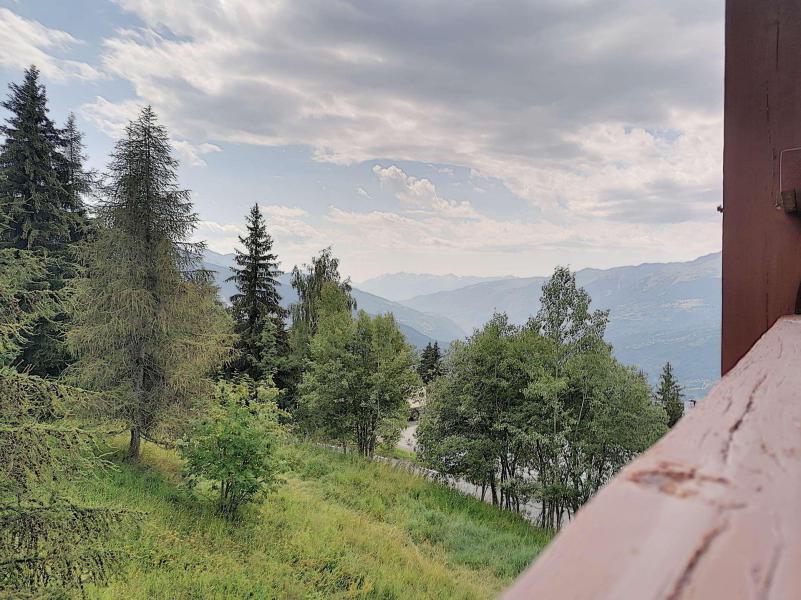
(341, 527)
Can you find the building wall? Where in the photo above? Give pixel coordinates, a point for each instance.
(761, 243)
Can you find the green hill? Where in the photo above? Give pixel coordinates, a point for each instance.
(340, 527)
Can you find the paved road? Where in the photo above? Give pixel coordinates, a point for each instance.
(407, 439)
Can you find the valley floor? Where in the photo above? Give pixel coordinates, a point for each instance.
(340, 527)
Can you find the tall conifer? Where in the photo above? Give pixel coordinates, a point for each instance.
(41, 206)
(31, 191)
(670, 395)
(148, 326)
(256, 307)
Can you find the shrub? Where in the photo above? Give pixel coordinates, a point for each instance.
(235, 447)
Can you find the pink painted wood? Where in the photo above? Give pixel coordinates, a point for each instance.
(711, 511)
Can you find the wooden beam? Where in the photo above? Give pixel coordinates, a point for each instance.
(711, 511)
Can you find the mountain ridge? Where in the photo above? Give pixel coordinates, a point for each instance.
(418, 327)
(659, 311)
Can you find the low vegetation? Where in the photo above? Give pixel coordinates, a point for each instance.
(340, 527)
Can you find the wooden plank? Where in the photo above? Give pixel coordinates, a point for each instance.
(711, 511)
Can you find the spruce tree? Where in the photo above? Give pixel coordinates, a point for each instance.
(670, 395)
(425, 362)
(256, 307)
(42, 207)
(75, 179)
(31, 191)
(430, 366)
(149, 329)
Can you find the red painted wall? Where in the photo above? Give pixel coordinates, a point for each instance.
(761, 244)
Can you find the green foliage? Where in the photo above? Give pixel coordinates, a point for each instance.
(542, 411)
(235, 446)
(47, 543)
(670, 395)
(40, 215)
(256, 307)
(308, 282)
(359, 375)
(41, 209)
(430, 366)
(340, 527)
(149, 330)
(475, 425)
(25, 299)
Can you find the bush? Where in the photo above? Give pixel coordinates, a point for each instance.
(236, 448)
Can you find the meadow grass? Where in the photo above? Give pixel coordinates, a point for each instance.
(339, 527)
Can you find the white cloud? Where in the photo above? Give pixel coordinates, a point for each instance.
(421, 194)
(280, 211)
(561, 101)
(111, 117)
(24, 42)
(192, 153)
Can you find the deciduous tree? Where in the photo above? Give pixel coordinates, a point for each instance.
(359, 375)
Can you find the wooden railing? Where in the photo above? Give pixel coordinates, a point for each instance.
(711, 511)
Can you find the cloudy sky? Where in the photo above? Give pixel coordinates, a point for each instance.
(475, 137)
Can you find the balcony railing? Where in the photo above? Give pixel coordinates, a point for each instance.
(711, 511)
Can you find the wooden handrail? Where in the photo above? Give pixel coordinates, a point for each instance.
(713, 510)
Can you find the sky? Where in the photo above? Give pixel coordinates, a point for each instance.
(429, 136)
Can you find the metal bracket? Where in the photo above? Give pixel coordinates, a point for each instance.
(790, 180)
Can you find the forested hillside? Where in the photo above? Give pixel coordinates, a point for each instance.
(658, 313)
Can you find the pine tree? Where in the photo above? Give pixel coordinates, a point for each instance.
(47, 544)
(148, 326)
(42, 207)
(670, 395)
(256, 307)
(430, 366)
(32, 193)
(75, 179)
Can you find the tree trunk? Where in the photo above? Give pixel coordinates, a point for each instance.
(133, 447)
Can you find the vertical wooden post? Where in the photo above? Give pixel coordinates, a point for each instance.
(761, 238)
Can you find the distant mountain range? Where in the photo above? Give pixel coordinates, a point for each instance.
(400, 286)
(419, 327)
(658, 312)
